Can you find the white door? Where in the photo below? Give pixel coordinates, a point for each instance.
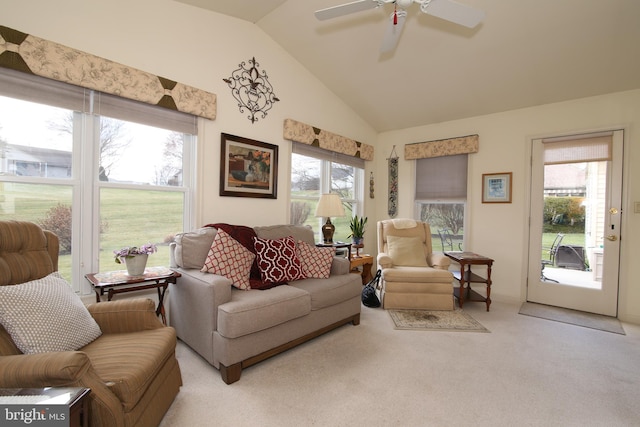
(576, 195)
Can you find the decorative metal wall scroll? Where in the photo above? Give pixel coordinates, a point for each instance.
(251, 88)
(393, 183)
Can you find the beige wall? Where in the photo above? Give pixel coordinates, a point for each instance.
(500, 230)
(201, 48)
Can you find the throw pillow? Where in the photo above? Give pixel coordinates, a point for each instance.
(408, 251)
(316, 262)
(46, 315)
(227, 257)
(277, 260)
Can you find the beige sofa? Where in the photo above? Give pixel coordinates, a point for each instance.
(130, 368)
(232, 328)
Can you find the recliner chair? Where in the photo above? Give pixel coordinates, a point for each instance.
(413, 277)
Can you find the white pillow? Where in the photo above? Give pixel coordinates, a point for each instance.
(408, 251)
(46, 315)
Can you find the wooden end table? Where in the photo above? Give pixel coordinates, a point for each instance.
(466, 260)
(364, 261)
(118, 282)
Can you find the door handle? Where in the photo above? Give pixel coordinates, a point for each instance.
(612, 237)
(613, 211)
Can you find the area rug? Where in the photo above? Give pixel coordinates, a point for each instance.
(573, 317)
(455, 320)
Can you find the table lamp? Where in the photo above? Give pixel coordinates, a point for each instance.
(328, 206)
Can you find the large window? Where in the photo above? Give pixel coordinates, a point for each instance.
(315, 171)
(441, 195)
(99, 181)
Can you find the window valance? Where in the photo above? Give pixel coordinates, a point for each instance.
(442, 147)
(307, 134)
(33, 55)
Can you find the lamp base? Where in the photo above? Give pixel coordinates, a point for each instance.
(327, 231)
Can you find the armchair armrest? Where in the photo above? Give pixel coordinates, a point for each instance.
(439, 261)
(43, 369)
(62, 369)
(384, 260)
(128, 315)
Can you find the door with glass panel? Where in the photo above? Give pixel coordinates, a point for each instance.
(574, 234)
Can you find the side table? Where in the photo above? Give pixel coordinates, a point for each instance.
(73, 404)
(117, 282)
(366, 262)
(466, 260)
(337, 245)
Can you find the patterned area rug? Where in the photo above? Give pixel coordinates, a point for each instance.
(456, 320)
(573, 317)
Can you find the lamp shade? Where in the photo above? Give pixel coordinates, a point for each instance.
(329, 205)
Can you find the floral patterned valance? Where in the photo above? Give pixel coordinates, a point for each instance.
(33, 55)
(442, 147)
(307, 134)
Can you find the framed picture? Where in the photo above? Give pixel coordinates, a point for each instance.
(496, 187)
(248, 168)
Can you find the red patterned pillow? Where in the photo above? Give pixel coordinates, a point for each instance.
(278, 260)
(227, 257)
(316, 262)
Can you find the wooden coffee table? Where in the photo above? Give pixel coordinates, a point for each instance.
(117, 282)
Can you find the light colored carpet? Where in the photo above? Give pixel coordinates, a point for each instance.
(445, 320)
(526, 372)
(573, 317)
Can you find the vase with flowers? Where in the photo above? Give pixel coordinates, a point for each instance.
(135, 258)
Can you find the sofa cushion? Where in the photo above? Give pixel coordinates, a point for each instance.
(192, 248)
(228, 258)
(316, 262)
(328, 292)
(46, 315)
(256, 310)
(129, 362)
(278, 260)
(417, 275)
(406, 251)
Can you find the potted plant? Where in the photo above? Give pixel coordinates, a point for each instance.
(135, 258)
(357, 229)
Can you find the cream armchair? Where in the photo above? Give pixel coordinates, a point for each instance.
(413, 277)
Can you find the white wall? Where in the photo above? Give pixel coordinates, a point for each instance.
(199, 48)
(500, 231)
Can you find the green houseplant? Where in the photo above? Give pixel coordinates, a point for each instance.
(357, 226)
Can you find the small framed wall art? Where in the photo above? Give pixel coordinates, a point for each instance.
(496, 187)
(248, 168)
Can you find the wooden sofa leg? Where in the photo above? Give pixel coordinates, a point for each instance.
(356, 319)
(231, 374)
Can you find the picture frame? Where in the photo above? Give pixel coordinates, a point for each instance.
(248, 168)
(496, 187)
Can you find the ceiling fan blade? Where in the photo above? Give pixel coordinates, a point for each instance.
(392, 34)
(454, 12)
(345, 9)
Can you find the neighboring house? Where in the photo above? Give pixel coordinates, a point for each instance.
(23, 160)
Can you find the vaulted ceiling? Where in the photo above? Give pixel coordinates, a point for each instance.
(524, 53)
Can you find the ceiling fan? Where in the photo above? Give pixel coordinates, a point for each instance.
(445, 9)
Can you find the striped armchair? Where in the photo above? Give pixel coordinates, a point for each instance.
(131, 368)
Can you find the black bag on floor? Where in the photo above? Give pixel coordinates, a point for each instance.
(369, 297)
